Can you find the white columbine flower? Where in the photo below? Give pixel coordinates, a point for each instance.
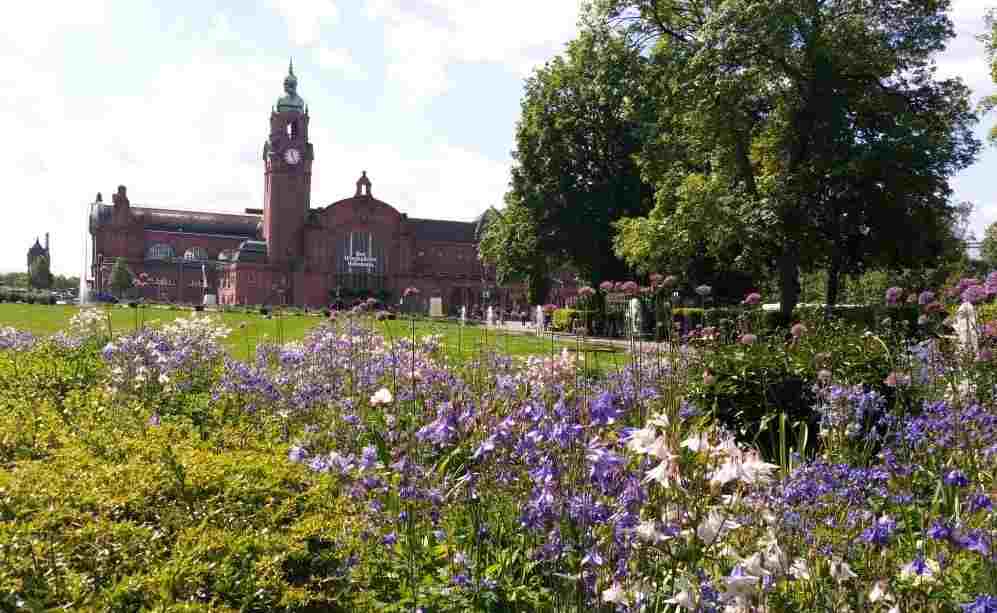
(841, 571)
(614, 594)
(382, 396)
(683, 599)
(878, 592)
(648, 531)
(713, 526)
(697, 442)
(640, 441)
(664, 473)
(800, 570)
(661, 449)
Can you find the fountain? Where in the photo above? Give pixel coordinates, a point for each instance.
(463, 315)
(490, 318)
(84, 297)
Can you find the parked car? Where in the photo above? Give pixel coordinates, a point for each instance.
(102, 297)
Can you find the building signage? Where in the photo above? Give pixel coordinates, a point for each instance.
(361, 260)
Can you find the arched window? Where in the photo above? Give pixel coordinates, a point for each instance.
(159, 251)
(196, 253)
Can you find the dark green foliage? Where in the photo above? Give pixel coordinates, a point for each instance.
(39, 274)
(575, 172)
(756, 383)
(122, 278)
(794, 136)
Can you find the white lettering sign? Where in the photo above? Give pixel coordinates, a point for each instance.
(360, 261)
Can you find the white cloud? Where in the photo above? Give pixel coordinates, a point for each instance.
(965, 56)
(422, 39)
(339, 60)
(305, 18)
(32, 27)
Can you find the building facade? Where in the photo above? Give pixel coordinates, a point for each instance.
(288, 252)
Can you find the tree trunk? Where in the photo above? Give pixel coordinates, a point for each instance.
(789, 283)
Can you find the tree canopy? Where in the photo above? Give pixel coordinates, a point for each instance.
(796, 135)
(575, 170)
(39, 274)
(121, 277)
(990, 40)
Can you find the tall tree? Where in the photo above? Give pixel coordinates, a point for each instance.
(121, 278)
(575, 172)
(988, 247)
(508, 241)
(801, 134)
(990, 40)
(39, 275)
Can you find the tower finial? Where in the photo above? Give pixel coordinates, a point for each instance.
(290, 67)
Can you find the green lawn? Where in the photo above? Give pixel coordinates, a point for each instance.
(250, 328)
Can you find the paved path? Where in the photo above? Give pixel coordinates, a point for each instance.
(518, 328)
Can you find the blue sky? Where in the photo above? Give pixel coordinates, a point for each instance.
(172, 100)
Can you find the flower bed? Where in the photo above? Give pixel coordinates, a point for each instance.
(352, 472)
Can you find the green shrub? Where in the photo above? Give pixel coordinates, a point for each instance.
(758, 382)
(564, 319)
(689, 317)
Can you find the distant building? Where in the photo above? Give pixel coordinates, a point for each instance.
(289, 252)
(37, 251)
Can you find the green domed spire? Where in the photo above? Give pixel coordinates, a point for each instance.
(291, 102)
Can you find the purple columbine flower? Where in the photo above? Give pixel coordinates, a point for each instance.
(980, 502)
(939, 531)
(880, 532)
(295, 454)
(955, 478)
(984, 603)
(974, 294)
(893, 295)
(925, 298)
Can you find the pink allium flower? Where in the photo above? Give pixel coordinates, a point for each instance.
(747, 339)
(991, 283)
(753, 298)
(586, 292)
(985, 355)
(618, 286)
(630, 288)
(974, 294)
(893, 295)
(606, 286)
(967, 282)
(798, 330)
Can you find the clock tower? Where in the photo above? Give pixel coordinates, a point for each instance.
(287, 163)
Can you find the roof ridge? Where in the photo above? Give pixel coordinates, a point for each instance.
(199, 211)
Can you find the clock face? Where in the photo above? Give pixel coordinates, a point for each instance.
(292, 156)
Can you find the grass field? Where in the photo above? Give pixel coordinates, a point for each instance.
(248, 329)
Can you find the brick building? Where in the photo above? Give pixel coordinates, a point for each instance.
(289, 252)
